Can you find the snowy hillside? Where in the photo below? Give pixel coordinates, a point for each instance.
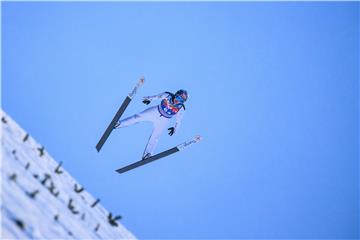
(41, 200)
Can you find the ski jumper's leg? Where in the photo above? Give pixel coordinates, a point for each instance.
(145, 115)
(160, 123)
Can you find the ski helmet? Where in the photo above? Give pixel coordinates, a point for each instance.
(183, 94)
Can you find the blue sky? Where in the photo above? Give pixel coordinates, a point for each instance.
(273, 91)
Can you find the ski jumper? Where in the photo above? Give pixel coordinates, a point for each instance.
(159, 115)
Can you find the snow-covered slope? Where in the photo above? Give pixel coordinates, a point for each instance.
(39, 199)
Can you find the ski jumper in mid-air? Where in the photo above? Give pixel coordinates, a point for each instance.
(171, 105)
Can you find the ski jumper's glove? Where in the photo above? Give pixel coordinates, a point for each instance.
(171, 131)
(146, 101)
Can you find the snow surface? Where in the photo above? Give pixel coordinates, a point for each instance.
(37, 202)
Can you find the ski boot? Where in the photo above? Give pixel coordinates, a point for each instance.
(117, 124)
(146, 156)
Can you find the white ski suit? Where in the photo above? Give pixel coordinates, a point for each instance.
(160, 121)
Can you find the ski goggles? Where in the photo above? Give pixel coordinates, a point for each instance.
(179, 98)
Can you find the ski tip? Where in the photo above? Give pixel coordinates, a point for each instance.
(198, 138)
(141, 80)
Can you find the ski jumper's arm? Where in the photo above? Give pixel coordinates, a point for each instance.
(158, 96)
(179, 117)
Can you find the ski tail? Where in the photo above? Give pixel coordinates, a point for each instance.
(118, 115)
(112, 123)
(160, 155)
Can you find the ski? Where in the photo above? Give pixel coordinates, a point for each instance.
(160, 155)
(118, 114)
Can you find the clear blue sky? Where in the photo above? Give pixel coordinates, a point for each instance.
(273, 90)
